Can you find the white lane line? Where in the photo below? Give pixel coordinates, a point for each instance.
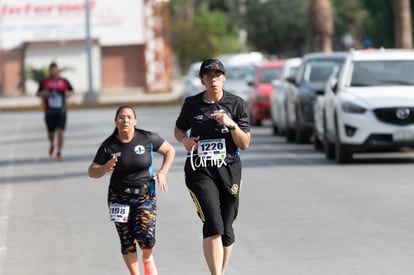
(6, 197)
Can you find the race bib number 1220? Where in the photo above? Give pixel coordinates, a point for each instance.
(212, 149)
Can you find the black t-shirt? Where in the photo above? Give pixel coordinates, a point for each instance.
(195, 115)
(134, 165)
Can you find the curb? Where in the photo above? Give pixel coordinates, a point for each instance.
(102, 100)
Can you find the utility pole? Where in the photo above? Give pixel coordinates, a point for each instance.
(1, 50)
(90, 95)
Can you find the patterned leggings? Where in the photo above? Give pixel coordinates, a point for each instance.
(140, 227)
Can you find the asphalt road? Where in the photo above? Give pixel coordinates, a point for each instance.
(300, 214)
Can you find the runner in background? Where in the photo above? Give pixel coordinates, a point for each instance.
(54, 90)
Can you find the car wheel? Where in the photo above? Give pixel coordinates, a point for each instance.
(275, 129)
(342, 153)
(317, 143)
(254, 122)
(328, 146)
(290, 134)
(301, 134)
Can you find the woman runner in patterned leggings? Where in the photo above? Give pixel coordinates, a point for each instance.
(127, 153)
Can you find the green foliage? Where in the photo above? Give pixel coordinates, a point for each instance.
(378, 22)
(277, 26)
(208, 34)
(280, 27)
(32, 73)
(36, 74)
(380, 26)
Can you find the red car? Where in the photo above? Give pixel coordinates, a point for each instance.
(259, 99)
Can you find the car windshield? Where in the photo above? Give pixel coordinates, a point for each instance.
(240, 72)
(381, 73)
(268, 74)
(292, 71)
(319, 70)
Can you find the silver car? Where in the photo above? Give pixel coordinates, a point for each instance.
(191, 81)
(278, 97)
(238, 79)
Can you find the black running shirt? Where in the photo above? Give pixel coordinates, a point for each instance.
(134, 158)
(195, 116)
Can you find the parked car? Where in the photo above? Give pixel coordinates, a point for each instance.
(238, 78)
(278, 95)
(370, 108)
(319, 111)
(311, 78)
(191, 81)
(241, 59)
(240, 70)
(261, 90)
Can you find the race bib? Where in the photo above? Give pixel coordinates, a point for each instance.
(118, 212)
(55, 100)
(212, 149)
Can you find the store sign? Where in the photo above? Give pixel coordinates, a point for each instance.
(111, 22)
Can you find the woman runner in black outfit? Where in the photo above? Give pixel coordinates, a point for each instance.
(212, 126)
(127, 153)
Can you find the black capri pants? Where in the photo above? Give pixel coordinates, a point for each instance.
(215, 192)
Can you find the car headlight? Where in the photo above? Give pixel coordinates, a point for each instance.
(350, 107)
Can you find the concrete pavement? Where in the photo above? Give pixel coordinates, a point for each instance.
(133, 97)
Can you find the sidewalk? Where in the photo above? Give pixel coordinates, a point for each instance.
(102, 99)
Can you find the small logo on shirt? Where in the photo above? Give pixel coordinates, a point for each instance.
(139, 149)
(199, 117)
(234, 189)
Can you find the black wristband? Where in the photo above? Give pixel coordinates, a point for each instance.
(234, 127)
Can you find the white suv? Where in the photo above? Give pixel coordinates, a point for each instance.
(370, 107)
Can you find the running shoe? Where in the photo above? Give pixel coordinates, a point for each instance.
(149, 267)
(59, 156)
(51, 151)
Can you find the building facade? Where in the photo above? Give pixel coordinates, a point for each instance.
(129, 46)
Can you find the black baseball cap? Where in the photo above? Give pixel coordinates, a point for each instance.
(210, 65)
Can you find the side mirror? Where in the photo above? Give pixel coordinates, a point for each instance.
(333, 83)
(335, 87)
(291, 79)
(320, 92)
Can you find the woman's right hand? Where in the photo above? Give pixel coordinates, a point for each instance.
(189, 142)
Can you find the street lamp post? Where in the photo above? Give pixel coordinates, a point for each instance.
(90, 95)
(1, 51)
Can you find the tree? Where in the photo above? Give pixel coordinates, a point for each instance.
(349, 17)
(402, 19)
(207, 34)
(322, 23)
(277, 26)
